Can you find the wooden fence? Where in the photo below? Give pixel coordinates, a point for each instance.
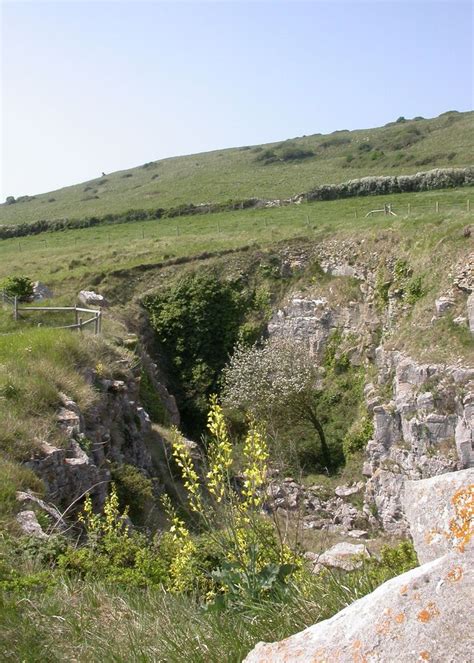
(79, 323)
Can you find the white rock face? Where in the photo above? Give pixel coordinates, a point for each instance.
(470, 312)
(426, 429)
(346, 556)
(29, 525)
(421, 615)
(443, 304)
(91, 298)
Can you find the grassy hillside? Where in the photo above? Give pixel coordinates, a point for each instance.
(125, 260)
(274, 170)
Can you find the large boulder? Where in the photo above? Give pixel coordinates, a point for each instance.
(440, 511)
(91, 298)
(421, 615)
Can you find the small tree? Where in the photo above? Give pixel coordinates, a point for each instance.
(276, 381)
(18, 286)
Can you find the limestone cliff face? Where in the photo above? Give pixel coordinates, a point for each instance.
(425, 429)
(113, 431)
(423, 414)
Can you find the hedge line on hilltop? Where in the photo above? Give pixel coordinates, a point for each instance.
(439, 178)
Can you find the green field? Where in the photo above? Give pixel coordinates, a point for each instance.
(276, 170)
(74, 259)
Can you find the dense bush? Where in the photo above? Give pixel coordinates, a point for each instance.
(134, 489)
(295, 154)
(197, 324)
(18, 286)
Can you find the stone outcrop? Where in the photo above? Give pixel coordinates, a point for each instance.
(312, 320)
(29, 525)
(421, 615)
(91, 298)
(346, 556)
(426, 429)
(470, 312)
(316, 509)
(112, 431)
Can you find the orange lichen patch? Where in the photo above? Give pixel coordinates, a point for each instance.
(461, 526)
(404, 590)
(323, 656)
(455, 574)
(428, 613)
(357, 655)
(424, 655)
(400, 618)
(384, 626)
(430, 535)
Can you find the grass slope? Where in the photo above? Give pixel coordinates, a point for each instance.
(276, 170)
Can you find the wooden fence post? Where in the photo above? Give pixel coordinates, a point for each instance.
(437, 206)
(408, 209)
(96, 324)
(76, 319)
(15, 308)
(80, 325)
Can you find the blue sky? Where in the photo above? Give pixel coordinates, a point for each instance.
(99, 86)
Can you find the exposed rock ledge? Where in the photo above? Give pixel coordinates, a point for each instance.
(421, 615)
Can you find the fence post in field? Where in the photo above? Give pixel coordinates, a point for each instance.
(437, 206)
(408, 209)
(96, 324)
(468, 205)
(76, 319)
(80, 325)
(15, 308)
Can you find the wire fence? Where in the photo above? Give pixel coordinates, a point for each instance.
(204, 224)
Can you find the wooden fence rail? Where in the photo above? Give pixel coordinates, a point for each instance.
(79, 323)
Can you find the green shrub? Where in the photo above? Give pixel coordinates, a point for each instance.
(151, 400)
(18, 286)
(134, 489)
(415, 290)
(358, 435)
(197, 324)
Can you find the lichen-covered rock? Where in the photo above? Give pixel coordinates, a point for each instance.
(421, 615)
(440, 511)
